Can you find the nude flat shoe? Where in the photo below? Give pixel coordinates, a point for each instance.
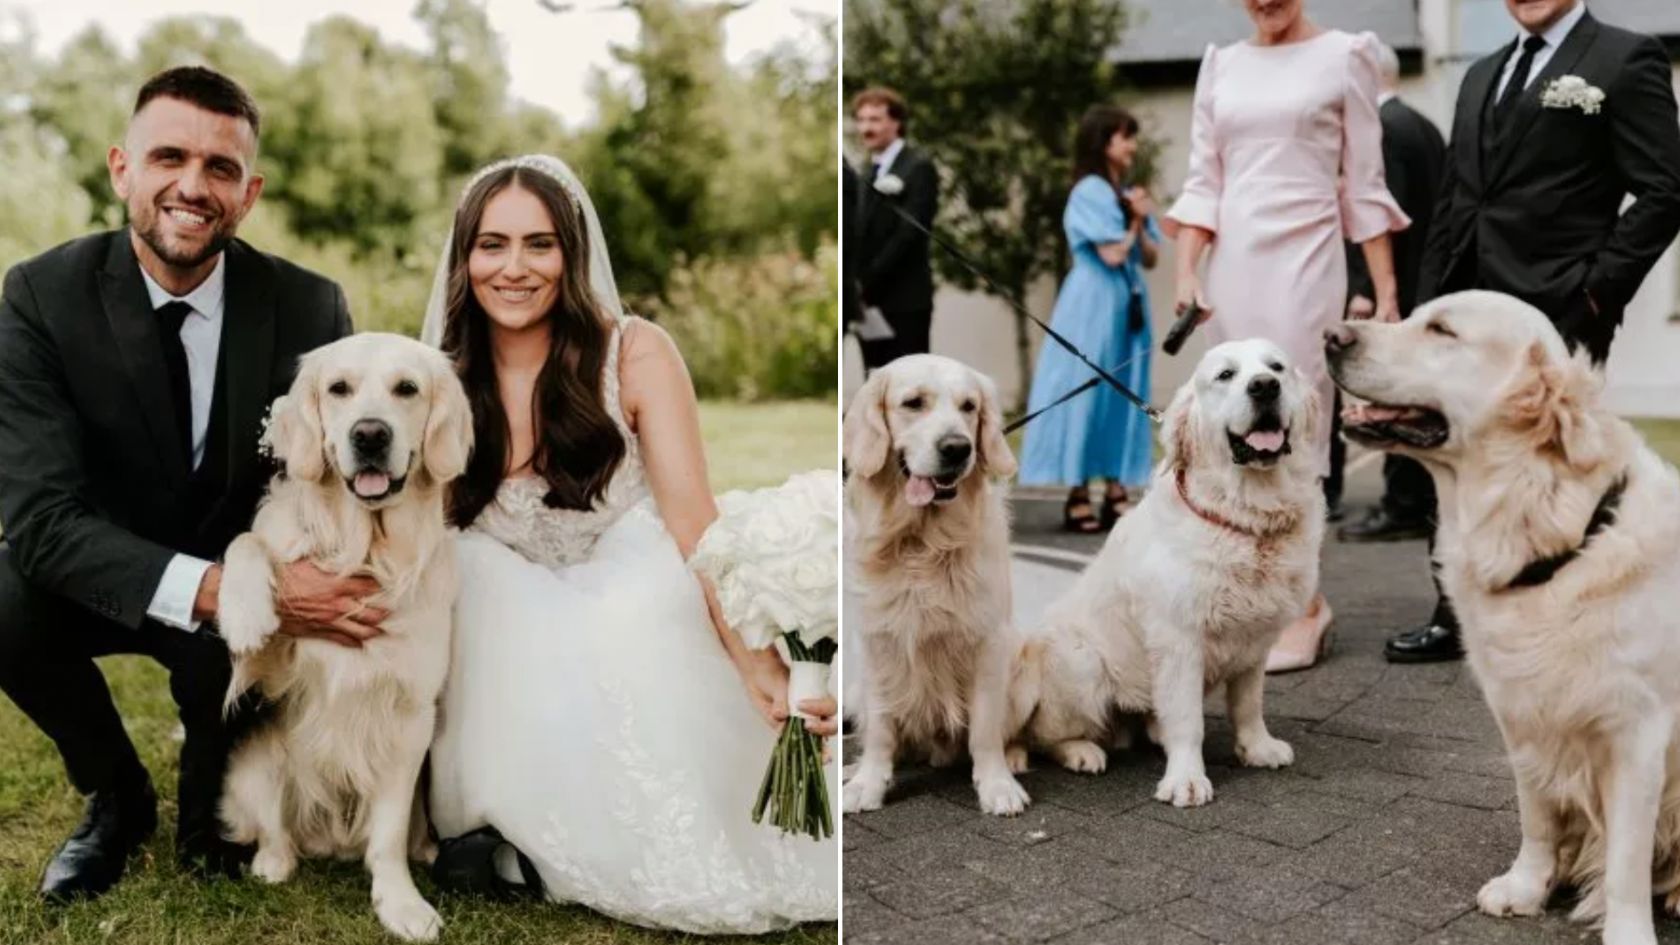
(1304, 642)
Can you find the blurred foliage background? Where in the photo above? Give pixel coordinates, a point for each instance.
(716, 183)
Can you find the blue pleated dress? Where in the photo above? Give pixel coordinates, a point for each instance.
(1098, 434)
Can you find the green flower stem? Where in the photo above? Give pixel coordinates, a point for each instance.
(794, 791)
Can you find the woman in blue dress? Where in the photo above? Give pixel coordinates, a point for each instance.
(1103, 308)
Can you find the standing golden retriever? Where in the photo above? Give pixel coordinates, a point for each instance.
(370, 432)
(1193, 586)
(1559, 546)
(932, 556)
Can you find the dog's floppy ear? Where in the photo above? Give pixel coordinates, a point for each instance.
(1178, 431)
(1312, 407)
(866, 436)
(449, 428)
(995, 457)
(1554, 402)
(294, 429)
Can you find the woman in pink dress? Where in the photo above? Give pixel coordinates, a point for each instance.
(1285, 165)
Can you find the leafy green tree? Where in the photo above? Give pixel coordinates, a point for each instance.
(995, 90)
(469, 83)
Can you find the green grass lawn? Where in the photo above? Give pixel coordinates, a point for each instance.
(327, 904)
(1664, 437)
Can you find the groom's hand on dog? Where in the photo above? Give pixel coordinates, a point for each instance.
(315, 603)
(311, 603)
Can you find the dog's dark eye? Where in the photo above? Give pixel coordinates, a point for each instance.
(969, 406)
(339, 389)
(1276, 367)
(405, 388)
(1440, 328)
(1225, 375)
(913, 403)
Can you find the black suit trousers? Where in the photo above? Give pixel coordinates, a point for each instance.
(47, 651)
(911, 332)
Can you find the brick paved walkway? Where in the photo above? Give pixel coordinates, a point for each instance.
(1399, 806)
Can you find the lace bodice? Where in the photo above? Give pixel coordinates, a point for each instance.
(557, 537)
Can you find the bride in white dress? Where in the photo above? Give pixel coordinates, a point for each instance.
(598, 715)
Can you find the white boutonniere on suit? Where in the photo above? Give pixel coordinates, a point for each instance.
(889, 184)
(1572, 91)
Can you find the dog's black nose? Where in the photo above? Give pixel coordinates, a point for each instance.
(1339, 338)
(954, 449)
(1264, 389)
(370, 437)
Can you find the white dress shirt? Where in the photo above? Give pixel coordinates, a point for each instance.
(884, 160)
(1554, 38)
(201, 335)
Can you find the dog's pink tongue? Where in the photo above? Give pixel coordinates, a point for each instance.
(370, 484)
(1266, 441)
(918, 491)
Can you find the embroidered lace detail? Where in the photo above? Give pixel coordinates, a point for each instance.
(706, 885)
(557, 537)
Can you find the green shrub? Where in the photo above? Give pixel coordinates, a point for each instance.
(761, 328)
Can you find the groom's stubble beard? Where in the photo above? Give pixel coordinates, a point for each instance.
(147, 221)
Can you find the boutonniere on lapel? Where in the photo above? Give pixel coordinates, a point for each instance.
(889, 184)
(1572, 91)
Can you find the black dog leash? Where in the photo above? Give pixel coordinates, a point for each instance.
(1022, 421)
(1102, 375)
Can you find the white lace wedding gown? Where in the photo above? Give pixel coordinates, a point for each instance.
(592, 717)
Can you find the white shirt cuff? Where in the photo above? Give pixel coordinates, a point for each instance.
(172, 602)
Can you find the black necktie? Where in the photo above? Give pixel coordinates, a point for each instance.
(1519, 79)
(171, 316)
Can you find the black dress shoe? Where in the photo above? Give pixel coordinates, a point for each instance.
(1431, 643)
(1333, 511)
(118, 820)
(206, 856)
(467, 864)
(1380, 525)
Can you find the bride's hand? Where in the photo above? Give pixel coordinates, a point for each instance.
(766, 679)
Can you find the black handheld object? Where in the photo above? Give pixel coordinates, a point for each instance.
(1181, 329)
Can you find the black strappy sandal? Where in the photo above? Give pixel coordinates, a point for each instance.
(1115, 506)
(467, 865)
(1086, 524)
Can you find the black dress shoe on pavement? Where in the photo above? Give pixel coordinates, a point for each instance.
(1379, 525)
(118, 820)
(1431, 643)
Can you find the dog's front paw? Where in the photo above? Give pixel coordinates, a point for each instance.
(1015, 758)
(1515, 893)
(863, 793)
(1002, 795)
(1083, 756)
(1267, 752)
(245, 624)
(1192, 790)
(273, 864)
(409, 918)
(1635, 929)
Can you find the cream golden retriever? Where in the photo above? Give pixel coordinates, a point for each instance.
(370, 432)
(931, 550)
(1192, 587)
(1559, 545)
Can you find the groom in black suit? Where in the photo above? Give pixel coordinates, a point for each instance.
(1550, 134)
(896, 271)
(135, 367)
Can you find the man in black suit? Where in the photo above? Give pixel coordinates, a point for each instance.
(1531, 201)
(896, 273)
(1413, 160)
(135, 368)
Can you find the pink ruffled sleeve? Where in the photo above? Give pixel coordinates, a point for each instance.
(1198, 203)
(1368, 209)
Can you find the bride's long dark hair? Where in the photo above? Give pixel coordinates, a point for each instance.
(577, 444)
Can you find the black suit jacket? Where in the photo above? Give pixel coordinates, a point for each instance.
(896, 273)
(1540, 209)
(93, 473)
(1413, 157)
(851, 307)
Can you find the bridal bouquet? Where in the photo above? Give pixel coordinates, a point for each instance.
(773, 557)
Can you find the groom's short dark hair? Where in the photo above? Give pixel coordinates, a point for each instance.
(205, 88)
(893, 102)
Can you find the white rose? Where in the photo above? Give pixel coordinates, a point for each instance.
(890, 184)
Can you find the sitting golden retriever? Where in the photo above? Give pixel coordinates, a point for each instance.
(1193, 586)
(1559, 545)
(932, 559)
(371, 431)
